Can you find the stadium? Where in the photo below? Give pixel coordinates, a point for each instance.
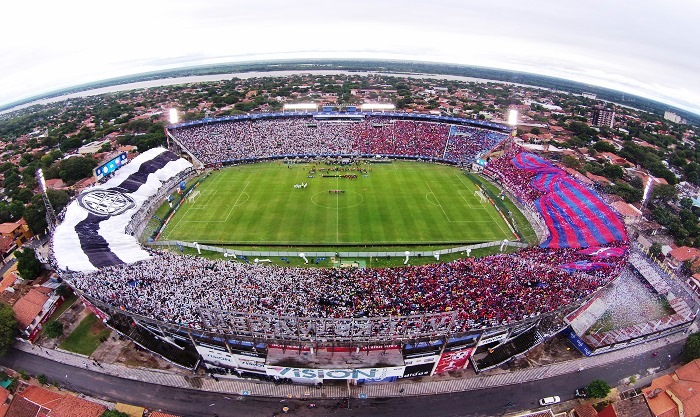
(320, 188)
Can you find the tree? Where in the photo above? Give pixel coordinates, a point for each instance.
(54, 329)
(655, 249)
(598, 389)
(76, 168)
(8, 328)
(16, 209)
(58, 198)
(106, 147)
(70, 143)
(35, 216)
(114, 413)
(663, 193)
(27, 265)
(570, 162)
(691, 350)
(613, 172)
(604, 146)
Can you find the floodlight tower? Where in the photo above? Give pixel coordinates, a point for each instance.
(51, 219)
(173, 118)
(647, 189)
(513, 121)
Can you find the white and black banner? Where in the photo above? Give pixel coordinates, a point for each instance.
(92, 235)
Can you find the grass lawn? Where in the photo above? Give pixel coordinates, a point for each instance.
(86, 337)
(401, 203)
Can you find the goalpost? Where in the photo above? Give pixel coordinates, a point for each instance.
(480, 195)
(192, 196)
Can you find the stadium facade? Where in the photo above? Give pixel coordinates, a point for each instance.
(99, 231)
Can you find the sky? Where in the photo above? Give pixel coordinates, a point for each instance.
(650, 48)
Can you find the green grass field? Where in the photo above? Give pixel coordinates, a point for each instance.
(397, 203)
(85, 339)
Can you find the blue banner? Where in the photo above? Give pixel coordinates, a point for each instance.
(577, 342)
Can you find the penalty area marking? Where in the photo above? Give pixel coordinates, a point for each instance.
(488, 211)
(236, 203)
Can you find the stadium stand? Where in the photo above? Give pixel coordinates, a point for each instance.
(495, 290)
(225, 141)
(153, 288)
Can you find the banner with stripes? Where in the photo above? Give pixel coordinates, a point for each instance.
(575, 215)
(93, 232)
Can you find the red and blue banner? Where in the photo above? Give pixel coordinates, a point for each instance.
(575, 215)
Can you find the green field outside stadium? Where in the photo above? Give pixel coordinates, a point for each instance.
(394, 203)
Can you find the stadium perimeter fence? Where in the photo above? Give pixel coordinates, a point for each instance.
(236, 252)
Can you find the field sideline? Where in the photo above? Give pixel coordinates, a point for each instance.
(397, 203)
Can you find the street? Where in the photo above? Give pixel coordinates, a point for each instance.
(478, 403)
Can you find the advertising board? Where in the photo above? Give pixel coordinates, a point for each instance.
(450, 361)
(339, 374)
(110, 166)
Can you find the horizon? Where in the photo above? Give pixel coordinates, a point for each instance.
(641, 49)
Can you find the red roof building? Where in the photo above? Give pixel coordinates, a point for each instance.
(681, 254)
(39, 402)
(4, 406)
(676, 394)
(34, 308)
(18, 231)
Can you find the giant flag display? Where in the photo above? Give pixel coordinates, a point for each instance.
(93, 232)
(575, 215)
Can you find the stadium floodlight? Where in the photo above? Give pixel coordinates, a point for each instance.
(42, 181)
(377, 106)
(174, 117)
(513, 117)
(647, 189)
(301, 106)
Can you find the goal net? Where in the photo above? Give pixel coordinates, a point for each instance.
(480, 195)
(192, 196)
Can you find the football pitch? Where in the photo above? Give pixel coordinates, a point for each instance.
(391, 204)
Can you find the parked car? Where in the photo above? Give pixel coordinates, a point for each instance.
(549, 400)
(581, 393)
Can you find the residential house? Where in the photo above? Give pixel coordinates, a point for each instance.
(676, 394)
(630, 407)
(7, 245)
(4, 401)
(18, 231)
(34, 308)
(630, 214)
(676, 257)
(35, 401)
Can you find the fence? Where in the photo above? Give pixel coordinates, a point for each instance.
(339, 254)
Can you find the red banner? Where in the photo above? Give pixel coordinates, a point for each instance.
(450, 361)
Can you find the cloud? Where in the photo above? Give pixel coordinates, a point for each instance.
(645, 48)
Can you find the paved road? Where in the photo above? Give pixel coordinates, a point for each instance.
(476, 403)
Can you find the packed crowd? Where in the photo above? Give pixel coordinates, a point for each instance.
(225, 141)
(485, 291)
(467, 144)
(517, 181)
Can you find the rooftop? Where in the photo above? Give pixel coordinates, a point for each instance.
(28, 307)
(10, 227)
(682, 386)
